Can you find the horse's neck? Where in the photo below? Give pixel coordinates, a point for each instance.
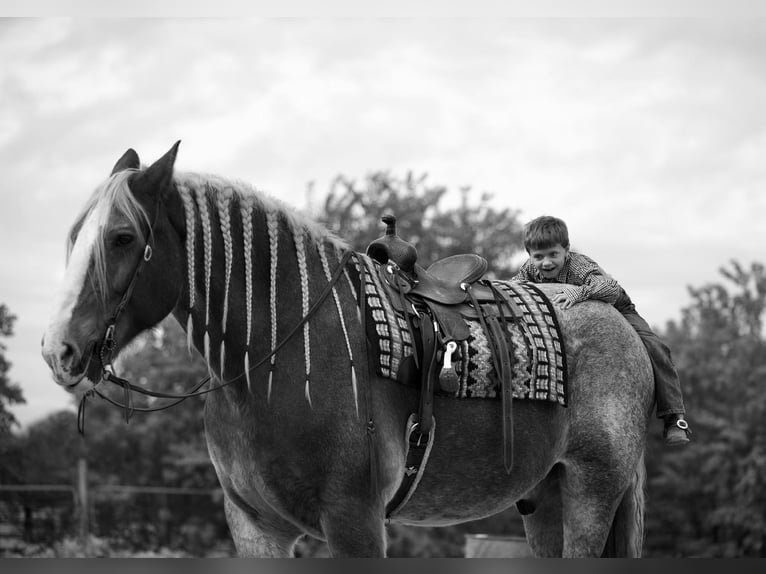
(252, 269)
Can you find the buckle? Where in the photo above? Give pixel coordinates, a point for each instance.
(107, 372)
(682, 424)
(109, 338)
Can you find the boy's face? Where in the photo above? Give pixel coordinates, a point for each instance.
(549, 261)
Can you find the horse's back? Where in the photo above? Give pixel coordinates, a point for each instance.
(610, 376)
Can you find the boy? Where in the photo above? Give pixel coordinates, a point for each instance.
(546, 240)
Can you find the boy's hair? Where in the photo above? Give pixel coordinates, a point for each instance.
(544, 232)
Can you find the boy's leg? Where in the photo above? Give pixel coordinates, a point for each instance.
(666, 382)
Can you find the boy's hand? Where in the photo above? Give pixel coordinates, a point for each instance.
(563, 300)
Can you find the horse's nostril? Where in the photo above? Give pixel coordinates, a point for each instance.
(67, 354)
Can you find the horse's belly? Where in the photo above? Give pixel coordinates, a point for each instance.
(465, 478)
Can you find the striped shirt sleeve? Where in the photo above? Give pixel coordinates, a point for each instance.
(525, 272)
(589, 280)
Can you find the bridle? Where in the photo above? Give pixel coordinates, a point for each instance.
(109, 344)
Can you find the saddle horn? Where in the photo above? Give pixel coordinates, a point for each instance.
(391, 247)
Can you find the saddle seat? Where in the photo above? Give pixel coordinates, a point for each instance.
(445, 281)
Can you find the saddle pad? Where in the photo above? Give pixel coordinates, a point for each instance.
(539, 364)
(534, 338)
(385, 325)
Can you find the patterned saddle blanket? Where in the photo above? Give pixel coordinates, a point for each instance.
(532, 334)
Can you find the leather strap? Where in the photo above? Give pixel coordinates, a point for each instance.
(505, 373)
(429, 332)
(501, 360)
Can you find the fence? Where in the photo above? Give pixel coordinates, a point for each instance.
(137, 516)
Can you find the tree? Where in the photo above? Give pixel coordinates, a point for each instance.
(10, 392)
(354, 211)
(711, 496)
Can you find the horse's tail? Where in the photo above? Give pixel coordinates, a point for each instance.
(626, 538)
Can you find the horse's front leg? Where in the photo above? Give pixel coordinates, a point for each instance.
(355, 530)
(257, 533)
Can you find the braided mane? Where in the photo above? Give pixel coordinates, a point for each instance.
(214, 202)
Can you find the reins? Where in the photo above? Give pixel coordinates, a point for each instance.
(109, 344)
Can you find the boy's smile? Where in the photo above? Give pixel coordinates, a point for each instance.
(549, 261)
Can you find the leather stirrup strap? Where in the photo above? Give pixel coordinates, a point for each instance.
(408, 320)
(502, 362)
(505, 373)
(428, 335)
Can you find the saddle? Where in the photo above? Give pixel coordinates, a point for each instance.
(437, 302)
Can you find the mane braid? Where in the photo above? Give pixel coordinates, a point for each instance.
(205, 191)
(201, 194)
(300, 251)
(272, 224)
(339, 255)
(246, 213)
(328, 274)
(223, 203)
(188, 202)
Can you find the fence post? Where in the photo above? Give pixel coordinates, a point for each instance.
(82, 495)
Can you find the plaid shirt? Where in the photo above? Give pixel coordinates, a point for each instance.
(585, 278)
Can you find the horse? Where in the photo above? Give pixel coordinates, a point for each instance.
(305, 436)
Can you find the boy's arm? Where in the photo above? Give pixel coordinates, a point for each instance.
(591, 282)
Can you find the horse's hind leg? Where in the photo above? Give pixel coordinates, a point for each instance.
(626, 538)
(589, 498)
(256, 534)
(542, 524)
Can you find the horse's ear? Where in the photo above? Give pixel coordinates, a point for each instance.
(160, 173)
(129, 160)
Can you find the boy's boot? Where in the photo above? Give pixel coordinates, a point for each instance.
(676, 431)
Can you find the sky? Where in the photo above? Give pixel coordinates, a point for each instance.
(647, 135)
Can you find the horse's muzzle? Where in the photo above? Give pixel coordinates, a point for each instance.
(68, 366)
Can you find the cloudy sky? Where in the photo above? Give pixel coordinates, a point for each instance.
(646, 135)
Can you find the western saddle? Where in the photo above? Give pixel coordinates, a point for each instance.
(437, 302)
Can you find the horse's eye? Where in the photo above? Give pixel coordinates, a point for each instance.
(123, 239)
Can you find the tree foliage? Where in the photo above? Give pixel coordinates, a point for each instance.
(710, 498)
(423, 218)
(10, 392)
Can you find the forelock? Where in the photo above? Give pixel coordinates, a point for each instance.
(113, 195)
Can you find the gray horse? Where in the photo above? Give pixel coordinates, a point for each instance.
(271, 300)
